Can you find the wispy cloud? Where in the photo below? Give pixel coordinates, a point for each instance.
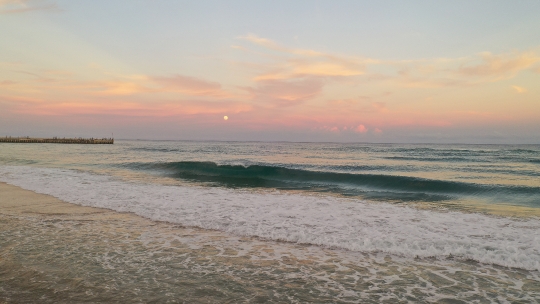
(285, 92)
(294, 63)
(500, 65)
(20, 100)
(24, 6)
(276, 47)
(109, 84)
(120, 88)
(119, 106)
(188, 85)
(345, 95)
(464, 71)
(519, 89)
(7, 82)
(296, 75)
(297, 63)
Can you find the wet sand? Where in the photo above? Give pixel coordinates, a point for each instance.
(56, 252)
(17, 201)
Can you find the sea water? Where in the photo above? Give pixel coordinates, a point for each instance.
(293, 222)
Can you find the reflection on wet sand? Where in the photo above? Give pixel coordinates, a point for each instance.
(53, 251)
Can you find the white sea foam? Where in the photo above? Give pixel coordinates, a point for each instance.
(326, 221)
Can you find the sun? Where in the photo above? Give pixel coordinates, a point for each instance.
(225, 117)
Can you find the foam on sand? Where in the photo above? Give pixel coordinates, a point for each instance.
(327, 221)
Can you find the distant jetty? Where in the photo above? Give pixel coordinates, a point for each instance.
(56, 140)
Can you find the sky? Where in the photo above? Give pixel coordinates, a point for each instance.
(337, 71)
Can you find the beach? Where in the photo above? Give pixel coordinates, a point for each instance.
(229, 222)
(57, 252)
(269, 152)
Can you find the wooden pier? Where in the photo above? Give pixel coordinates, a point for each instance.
(55, 140)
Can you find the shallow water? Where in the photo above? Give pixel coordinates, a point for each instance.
(110, 258)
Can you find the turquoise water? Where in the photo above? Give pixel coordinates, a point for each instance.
(442, 174)
(403, 211)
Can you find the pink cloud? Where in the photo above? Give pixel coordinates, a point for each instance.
(121, 88)
(6, 82)
(361, 129)
(189, 85)
(124, 107)
(20, 100)
(286, 92)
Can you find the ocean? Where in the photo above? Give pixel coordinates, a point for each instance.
(281, 222)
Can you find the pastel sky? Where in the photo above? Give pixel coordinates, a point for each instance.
(355, 71)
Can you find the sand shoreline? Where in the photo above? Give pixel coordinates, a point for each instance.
(53, 251)
(15, 200)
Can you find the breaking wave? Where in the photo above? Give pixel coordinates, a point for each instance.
(372, 186)
(328, 221)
